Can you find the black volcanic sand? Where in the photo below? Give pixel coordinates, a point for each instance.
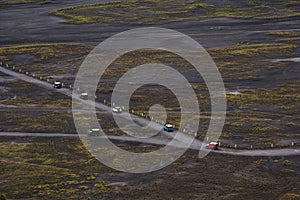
(55, 168)
(30, 23)
(61, 168)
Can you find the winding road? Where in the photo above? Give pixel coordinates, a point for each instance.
(181, 137)
(31, 24)
(164, 141)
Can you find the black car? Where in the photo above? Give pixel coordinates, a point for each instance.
(57, 84)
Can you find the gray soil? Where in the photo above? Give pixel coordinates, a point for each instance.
(31, 23)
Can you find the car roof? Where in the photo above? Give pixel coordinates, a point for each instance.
(84, 93)
(214, 143)
(169, 125)
(95, 129)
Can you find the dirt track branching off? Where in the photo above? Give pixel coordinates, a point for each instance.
(263, 101)
(60, 168)
(268, 111)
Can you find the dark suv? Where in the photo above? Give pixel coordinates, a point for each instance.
(57, 84)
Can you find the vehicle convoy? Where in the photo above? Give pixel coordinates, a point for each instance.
(84, 96)
(213, 145)
(57, 84)
(168, 127)
(94, 132)
(117, 109)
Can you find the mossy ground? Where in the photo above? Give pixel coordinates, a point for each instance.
(37, 121)
(288, 37)
(46, 60)
(56, 168)
(239, 65)
(5, 3)
(23, 94)
(61, 168)
(160, 12)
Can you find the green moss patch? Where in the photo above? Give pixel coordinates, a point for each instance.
(160, 12)
(15, 2)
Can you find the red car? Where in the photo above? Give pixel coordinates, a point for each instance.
(212, 145)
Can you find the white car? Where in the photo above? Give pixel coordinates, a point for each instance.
(94, 132)
(84, 96)
(117, 109)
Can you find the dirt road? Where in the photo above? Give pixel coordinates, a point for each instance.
(182, 137)
(161, 141)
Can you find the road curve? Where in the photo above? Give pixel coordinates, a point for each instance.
(182, 137)
(164, 141)
(196, 145)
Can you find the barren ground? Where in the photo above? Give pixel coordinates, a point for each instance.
(258, 59)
